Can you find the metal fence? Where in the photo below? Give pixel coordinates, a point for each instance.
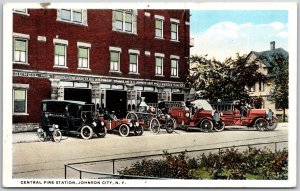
(106, 169)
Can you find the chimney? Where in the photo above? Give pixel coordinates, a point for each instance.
(272, 45)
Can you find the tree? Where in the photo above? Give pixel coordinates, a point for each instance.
(280, 77)
(224, 80)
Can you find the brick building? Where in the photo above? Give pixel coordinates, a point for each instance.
(109, 57)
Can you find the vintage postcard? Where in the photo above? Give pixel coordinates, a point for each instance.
(185, 95)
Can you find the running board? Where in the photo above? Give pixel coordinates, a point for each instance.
(192, 128)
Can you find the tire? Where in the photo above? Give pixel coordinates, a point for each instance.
(41, 135)
(175, 123)
(206, 125)
(57, 136)
(220, 126)
(154, 126)
(124, 130)
(261, 124)
(103, 133)
(272, 125)
(140, 131)
(86, 132)
(170, 125)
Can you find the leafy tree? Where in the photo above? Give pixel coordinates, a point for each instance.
(224, 80)
(280, 78)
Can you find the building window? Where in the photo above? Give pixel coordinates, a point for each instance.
(174, 67)
(20, 101)
(60, 55)
(21, 11)
(261, 86)
(174, 31)
(114, 61)
(133, 66)
(77, 16)
(158, 28)
(158, 66)
(251, 88)
(124, 20)
(83, 57)
(20, 50)
(71, 15)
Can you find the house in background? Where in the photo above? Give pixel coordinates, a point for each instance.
(262, 89)
(109, 57)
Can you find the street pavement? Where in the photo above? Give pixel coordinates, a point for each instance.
(28, 137)
(33, 159)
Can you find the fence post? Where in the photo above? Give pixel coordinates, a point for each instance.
(275, 147)
(113, 166)
(65, 171)
(80, 174)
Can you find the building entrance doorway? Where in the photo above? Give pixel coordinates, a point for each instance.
(116, 100)
(177, 97)
(77, 94)
(150, 97)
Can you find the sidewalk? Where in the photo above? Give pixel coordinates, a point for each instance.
(24, 137)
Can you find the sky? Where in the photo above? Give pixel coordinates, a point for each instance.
(223, 33)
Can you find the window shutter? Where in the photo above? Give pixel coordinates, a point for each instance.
(113, 20)
(134, 21)
(84, 17)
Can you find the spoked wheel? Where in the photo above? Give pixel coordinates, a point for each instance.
(124, 130)
(41, 135)
(219, 126)
(272, 125)
(206, 125)
(57, 136)
(170, 125)
(139, 131)
(261, 124)
(154, 126)
(102, 132)
(86, 132)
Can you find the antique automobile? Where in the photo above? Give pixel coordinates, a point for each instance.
(200, 116)
(241, 115)
(72, 117)
(154, 119)
(122, 126)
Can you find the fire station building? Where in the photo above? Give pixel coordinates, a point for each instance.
(108, 57)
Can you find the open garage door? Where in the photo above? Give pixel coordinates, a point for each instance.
(150, 97)
(116, 100)
(177, 97)
(78, 94)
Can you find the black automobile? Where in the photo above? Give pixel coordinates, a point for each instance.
(72, 117)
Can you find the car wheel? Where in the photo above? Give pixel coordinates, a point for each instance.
(102, 133)
(124, 130)
(261, 124)
(170, 125)
(220, 125)
(272, 125)
(57, 136)
(86, 132)
(41, 135)
(206, 125)
(139, 131)
(154, 126)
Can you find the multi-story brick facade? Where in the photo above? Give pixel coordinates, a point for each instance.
(108, 57)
